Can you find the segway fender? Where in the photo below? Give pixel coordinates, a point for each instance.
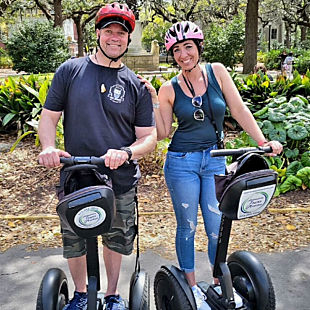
(139, 294)
(180, 277)
(53, 286)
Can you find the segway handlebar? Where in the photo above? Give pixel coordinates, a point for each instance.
(241, 151)
(80, 160)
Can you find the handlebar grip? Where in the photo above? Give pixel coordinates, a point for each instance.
(67, 160)
(266, 149)
(240, 151)
(96, 160)
(80, 160)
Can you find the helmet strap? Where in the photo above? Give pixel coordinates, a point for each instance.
(115, 59)
(190, 70)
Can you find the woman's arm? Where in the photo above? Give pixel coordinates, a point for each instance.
(162, 105)
(239, 111)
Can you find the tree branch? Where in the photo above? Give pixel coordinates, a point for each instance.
(44, 9)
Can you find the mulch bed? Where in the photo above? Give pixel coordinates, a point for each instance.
(28, 189)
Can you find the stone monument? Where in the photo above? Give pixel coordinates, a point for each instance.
(137, 58)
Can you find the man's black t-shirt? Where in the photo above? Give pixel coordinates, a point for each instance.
(102, 106)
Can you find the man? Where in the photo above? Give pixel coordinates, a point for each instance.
(107, 111)
(288, 65)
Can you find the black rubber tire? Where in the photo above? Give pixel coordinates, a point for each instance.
(168, 293)
(53, 293)
(252, 281)
(139, 294)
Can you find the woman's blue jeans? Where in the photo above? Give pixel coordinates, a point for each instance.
(190, 180)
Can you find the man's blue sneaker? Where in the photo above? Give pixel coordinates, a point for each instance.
(114, 302)
(78, 302)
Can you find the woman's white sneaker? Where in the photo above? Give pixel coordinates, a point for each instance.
(200, 298)
(237, 298)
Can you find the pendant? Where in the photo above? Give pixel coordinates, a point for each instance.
(102, 88)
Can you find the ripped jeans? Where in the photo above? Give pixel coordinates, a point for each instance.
(190, 180)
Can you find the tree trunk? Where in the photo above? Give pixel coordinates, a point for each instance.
(287, 42)
(304, 32)
(251, 34)
(58, 13)
(80, 36)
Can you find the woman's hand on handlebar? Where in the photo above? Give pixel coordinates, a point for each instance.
(276, 146)
(115, 158)
(49, 157)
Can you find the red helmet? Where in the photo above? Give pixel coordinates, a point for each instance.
(115, 13)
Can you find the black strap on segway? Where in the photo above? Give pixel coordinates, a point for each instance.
(137, 266)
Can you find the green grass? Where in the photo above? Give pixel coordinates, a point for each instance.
(41, 76)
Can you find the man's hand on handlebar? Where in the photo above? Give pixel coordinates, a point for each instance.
(276, 146)
(49, 157)
(115, 158)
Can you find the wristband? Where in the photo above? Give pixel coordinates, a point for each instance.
(156, 105)
(128, 151)
(261, 143)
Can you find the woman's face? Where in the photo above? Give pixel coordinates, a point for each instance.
(186, 54)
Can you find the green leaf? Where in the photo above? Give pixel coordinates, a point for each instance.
(261, 112)
(278, 134)
(305, 159)
(31, 90)
(291, 153)
(276, 116)
(291, 183)
(293, 167)
(268, 125)
(302, 98)
(297, 101)
(297, 132)
(304, 175)
(7, 118)
(19, 139)
(283, 108)
(43, 91)
(279, 100)
(273, 93)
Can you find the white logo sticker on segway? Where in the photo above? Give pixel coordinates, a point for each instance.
(89, 217)
(254, 201)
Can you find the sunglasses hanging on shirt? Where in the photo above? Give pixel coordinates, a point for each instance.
(199, 114)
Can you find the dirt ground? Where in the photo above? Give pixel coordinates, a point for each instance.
(28, 216)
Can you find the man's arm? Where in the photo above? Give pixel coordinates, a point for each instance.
(145, 143)
(49, 157)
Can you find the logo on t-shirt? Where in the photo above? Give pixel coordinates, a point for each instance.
(117, 93)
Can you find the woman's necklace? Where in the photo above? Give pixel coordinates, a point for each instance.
(190, 85)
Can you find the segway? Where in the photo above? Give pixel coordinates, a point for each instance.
(243, 192)
(88, 209)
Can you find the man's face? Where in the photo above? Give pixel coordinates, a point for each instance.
(113, 39)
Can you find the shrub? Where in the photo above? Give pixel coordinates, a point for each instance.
(5, 60)
(21, 102)
(272, 59)
(37, 47)
(302, 62)
(257, 90)
(224, 44)
(287, 121)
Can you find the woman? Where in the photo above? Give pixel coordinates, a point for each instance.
(197, 96)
